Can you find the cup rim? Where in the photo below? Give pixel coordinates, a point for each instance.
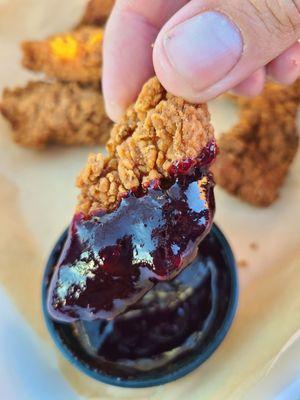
(170, 376)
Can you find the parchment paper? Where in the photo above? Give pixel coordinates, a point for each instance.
(37, 197)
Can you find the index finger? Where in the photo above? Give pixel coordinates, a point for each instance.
(130, 33)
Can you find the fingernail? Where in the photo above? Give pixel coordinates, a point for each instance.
(204, 48)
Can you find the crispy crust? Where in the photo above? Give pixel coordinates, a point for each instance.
(74, 56)
(56, 113)
(156, 131)
(256, 154)
(97, 12)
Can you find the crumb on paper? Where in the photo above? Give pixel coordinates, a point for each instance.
(156, 131)
(256, 154)
(243, 263)
(56, 113)
(253, 246)
(72, 56)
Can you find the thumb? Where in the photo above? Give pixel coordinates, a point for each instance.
(210, 46)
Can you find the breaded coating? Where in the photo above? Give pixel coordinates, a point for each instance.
(156, 131)
(74, 56)
(256, 154)
(97, 12)
(56, 113)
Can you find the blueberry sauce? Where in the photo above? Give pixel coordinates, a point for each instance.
(160, 322)
(174, 321)
(110, 260)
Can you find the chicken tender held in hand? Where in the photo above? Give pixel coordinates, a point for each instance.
(56, 113)
(256, 154)
(74, 56)
(158, 131)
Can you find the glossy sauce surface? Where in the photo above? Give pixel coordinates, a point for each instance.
(174, 321)
(159, 323)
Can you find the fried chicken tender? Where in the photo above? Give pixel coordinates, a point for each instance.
(97, 12)
(156, 131)
(256, 154)
(74, 56)
(56, 113)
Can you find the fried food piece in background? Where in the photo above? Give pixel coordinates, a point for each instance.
(256, 154)
(74, 56)
(97, 12)
(56, 113)
(156, 131)
(294, 91)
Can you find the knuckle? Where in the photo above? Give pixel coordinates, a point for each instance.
(285, 15)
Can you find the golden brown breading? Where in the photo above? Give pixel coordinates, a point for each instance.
(156, 131)
(62, 113)
(97, 12)
(74, 56)
(256, 154)
(294, 90)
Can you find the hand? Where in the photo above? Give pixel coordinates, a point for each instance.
(199, 48)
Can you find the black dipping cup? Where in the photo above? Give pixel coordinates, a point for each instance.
(167, 334)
